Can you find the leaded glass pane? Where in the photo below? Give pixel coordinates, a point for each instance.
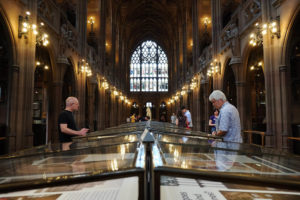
(149, 62)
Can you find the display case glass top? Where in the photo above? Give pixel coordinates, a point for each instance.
(216, 158)
(72, 163)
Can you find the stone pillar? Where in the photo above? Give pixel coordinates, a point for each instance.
(81, 95)
(283, 90)
(101, 107)
(112, 111)
(13, 110)
(61, 67)
(91, 103)
(205, 113)
(195, 35)
(216, 25)
(196, 109)
(236, 64)
(58, 107)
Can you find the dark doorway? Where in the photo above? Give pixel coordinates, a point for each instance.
(42, 94)
(5, 63)
(229, 87)
(255, 89)
(294, 74)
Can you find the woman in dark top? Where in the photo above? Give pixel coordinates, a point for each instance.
(181, 120)
(213, 120)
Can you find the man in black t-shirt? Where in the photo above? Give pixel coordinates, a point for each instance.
(66, 123)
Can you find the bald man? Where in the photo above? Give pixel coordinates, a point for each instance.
(66, 124)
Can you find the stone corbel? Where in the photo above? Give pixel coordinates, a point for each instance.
(235, 60)
(63, 60)
(232, 36)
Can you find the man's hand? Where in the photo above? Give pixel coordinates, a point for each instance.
(83, 131)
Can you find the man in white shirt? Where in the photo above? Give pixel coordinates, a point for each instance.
(228, 123)
(188, 116)
(173, 118)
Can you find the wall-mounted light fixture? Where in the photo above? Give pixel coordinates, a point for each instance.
(39, 64)
(91, 21)
(116, 93)
(85, 68)
(105, 85)
(274, 28)
(41, 36)
(193, 83)
(215, 68)
(206, 21)
(256, 66)
(24, 25)
(256, 38)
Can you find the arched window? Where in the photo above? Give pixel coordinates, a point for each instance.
(149, 69)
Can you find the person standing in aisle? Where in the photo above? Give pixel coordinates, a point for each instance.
(187, 113)
(66, 123)
(213, 120)
(173, 118)
(228, 123)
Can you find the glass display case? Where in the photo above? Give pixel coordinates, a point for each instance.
(149, 161)
(181, 168)
(87, 165)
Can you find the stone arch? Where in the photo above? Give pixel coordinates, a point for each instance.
(43, 98)
(287, 35)
(255, 85)
(8, 70)
(229, 83)
(69, 82)
(10, 34)
(292, 69)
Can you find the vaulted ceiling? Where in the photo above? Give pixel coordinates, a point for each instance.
(149, 19)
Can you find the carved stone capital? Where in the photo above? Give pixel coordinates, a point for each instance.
(15, 68)
(63, 60)
(283, 68)
(235, 60)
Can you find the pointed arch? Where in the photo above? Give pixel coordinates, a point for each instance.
(149, 68)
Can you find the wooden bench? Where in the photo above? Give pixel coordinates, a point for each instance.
(250, 134)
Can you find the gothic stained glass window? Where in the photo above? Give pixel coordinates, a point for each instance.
(149, 69)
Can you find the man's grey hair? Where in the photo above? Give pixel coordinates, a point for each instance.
(217, 95)
(71, 100)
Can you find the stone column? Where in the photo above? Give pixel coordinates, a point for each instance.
(196, 109)
(216, 26)
(112, 111)
(101, 111)
(283, 90)
(61, 67)
(236, 64)
(195, 35)
(91, 103)
(204, 85)
(58, 107)
(13, 110)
